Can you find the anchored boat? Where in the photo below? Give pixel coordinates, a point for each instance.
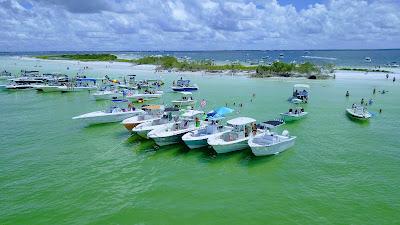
(115, 113)
(153, 112)
(300, 94)
(359, 112)
(236, 139)
(184, 85)
(173, 133)
(198, 138)
(293, 115)
(167, 119)
(270, 142)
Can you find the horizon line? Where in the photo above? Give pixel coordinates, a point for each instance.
(217, 50)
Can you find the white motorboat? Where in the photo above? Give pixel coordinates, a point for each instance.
(293, 115)
(301, 94)
(172, 133)
(358, 112)
(368, 59)
(107, 95)
(235, 139)
(270, 143)
(152, 112)
(198, 138)
(47, 88)
(147, 95)
(186, 100)
(184, 85)
(14, 86)
(114, 114)
(167, 119)
(80, 84)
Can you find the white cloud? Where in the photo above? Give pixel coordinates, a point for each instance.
(186, 25)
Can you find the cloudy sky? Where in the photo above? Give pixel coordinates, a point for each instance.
(38, 25)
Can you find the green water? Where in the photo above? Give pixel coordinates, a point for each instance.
(55, 171)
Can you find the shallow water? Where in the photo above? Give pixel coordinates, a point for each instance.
(55, 171)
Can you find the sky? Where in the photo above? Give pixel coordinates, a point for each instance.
(115, 25)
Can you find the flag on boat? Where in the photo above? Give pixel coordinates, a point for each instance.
(203, 103)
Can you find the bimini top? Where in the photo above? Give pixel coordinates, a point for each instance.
(153, 107)
(87, 79)
(302, 86)
(119, 100)
(191, 113)
(241, 121)
(183, 82)
(186, 93)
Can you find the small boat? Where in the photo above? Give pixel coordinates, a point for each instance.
(167, 119)
(184, 85)
(107, 95)
(147, 95)
(293, 115)
(186, 100)
(301, 94)
(81, 84)
(198, 138)
(358, 112)
(237, 138)
(367, 59)
(152, 112)
(270, 143)
(115, 113)
(47, 88)
(172, 133)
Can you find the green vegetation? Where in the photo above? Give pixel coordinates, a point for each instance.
(287, 69)
(171, 62)
(81, 57)
(364, 70)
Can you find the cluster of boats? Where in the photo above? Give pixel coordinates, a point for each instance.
(195, 128)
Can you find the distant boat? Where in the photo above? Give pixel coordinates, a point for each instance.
(281, 55)
(368, 59)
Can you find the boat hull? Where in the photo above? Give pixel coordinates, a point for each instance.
(168, 140)
(272, 149)
(178, 89)
(288, 118)
(104, 119)
(193, 144)
(230, 147)
(357, 117)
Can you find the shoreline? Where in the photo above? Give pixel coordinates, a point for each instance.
(338, 73)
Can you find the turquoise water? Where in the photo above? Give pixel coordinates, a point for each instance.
(55, 171)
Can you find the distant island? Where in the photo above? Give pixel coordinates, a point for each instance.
(275, 69)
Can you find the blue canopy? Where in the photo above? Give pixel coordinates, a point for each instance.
(87, 79)
(219, 112)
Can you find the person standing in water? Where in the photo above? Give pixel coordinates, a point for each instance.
(347, 94)
(387, 76)
(374, 91)
(362, 101)
(394, 79)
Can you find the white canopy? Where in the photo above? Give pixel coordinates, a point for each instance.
(186, 93)
(306, 86)
(191, 113)
(241, 121)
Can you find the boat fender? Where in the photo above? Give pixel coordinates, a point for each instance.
(285, 133)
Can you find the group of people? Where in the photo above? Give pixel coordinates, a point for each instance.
(297, 111)
(387, 77)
